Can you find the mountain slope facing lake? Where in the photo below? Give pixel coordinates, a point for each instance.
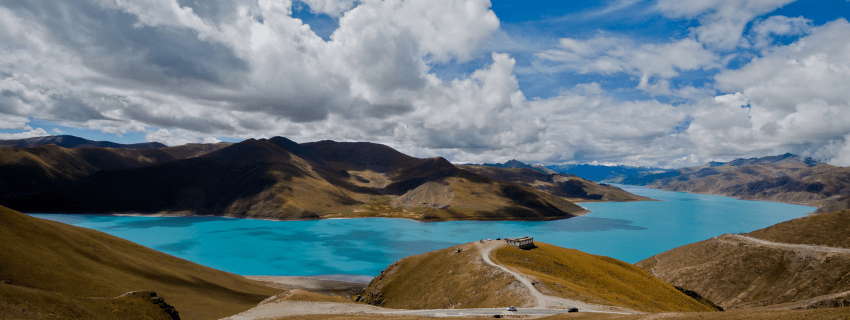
(276, 178)
(568, 186)
(795, 264)
(49, 262)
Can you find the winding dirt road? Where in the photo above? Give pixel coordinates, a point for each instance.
(824, 249)
(487, 247)
(544, 301)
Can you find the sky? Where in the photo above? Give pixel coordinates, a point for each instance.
(662, 83)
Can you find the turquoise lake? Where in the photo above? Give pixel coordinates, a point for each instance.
(629, 231)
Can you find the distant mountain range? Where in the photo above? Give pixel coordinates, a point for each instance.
(516, 164)
(282, 179)
(66, 141)
(278, 178)
(785, 178)
(608, 174)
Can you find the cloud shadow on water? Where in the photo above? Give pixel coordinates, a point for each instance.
(178, 247)
(165, 222)
(592, 224)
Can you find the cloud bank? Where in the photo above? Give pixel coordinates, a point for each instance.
(200, 71)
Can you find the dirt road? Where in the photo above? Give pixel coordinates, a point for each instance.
(824, 249)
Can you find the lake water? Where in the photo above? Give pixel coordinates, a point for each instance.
(629, 231)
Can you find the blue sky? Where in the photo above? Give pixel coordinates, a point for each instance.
(656, 83)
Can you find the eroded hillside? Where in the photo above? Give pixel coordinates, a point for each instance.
(796, 263)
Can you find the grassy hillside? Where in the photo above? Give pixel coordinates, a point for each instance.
(27, 303)
(445, 279)
(828, 229)
(567, 186)
(73, 262)
(736, 273)
(457, 277)
(576, 275)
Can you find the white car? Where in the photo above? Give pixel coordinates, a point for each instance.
(511, 308)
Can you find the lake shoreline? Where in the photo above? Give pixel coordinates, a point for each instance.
(627, 231)
(347, 286)
(195, 215)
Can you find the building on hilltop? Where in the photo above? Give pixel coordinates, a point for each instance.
(522, 243)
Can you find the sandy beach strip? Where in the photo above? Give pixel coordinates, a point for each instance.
(323, 283)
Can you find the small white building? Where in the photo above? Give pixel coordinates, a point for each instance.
(522, 243)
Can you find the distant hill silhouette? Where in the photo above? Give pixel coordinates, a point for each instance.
(67, 141)
(271, 178)
(608, 174)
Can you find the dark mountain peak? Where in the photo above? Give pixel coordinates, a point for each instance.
(361, 155)
(296, 149)
(284, 142)
(516, 164)
(777, 160)
(68, 141)
(440, 162)
(252, 151)
(513, 163)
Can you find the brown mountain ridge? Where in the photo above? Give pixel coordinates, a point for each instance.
(280, 179)
(568, 186)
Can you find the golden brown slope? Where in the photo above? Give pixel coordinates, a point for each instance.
(27, 303)
(78, 262)
(736, 272)
(827, 229)
(450, 278)
(568, 186)
(445, 279)
(575, 275)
